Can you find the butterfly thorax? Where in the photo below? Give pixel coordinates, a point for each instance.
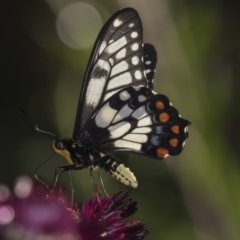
(76, 152)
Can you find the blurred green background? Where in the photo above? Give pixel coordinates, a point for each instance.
(45, 46)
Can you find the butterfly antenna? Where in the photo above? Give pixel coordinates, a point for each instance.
(101, 181)
(39, 123)
(35, 174)
(45, 132)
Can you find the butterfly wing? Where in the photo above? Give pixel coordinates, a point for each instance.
(150, 62)
(136, 119)
(116, 62)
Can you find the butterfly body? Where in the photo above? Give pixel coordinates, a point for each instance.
(118, 110)
(86, 156)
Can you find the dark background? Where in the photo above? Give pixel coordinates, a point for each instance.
(193, 196)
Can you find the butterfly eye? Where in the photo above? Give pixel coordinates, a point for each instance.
(58, 145)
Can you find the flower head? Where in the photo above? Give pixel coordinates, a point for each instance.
(30, 213)
(102, 218)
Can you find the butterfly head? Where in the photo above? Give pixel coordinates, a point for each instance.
(61, 147)
(71, 150)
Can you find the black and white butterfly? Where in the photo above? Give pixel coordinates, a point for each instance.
(118, 110)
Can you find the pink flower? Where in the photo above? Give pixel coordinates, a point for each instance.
(102, 218)
(30, 213)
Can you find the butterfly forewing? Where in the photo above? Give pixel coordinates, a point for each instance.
(116, 62)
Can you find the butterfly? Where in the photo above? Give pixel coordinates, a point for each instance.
(118, 111)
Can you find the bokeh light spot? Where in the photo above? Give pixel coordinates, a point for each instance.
(78, 24)
(4, 193)
(23, 187)
(6, 214)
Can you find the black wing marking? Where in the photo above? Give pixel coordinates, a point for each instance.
(115, 63)
(136, 119)
(150, 62)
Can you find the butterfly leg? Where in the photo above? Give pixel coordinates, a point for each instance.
(102, 184)
(62, 169)
(72, 193)
(93, 181)
(36, 175)
(92, 178)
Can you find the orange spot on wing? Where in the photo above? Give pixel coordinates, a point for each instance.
(164, 117)
(173, 142)
(162, 152)
(175, 129)
(160, 105)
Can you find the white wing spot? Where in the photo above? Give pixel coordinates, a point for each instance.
(123, 113)
(147, 71)
(127, 144)
(111, 61)
(141, 98)
(134, 34)
(148, 62)
(95, 88)
(145, 121)
(142, 59)
(105, 116)
(110, 41)
(140, 113)
(103, 45)
(117, 23)
(96, 85)
(135, 60)
(120, 67)
(131, 25)
(138, 74)
(103, 65)
(119, 129)
(142, 130)
(124, 96)
(121, 54)
(136, 88)
(135, 46)
(120, 80)
(139, 138)
(115, 46)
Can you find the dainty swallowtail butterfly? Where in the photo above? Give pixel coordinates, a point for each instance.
(118, 111)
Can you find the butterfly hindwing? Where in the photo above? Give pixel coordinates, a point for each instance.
(116, 62)
(136, 119)
(150, 62)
